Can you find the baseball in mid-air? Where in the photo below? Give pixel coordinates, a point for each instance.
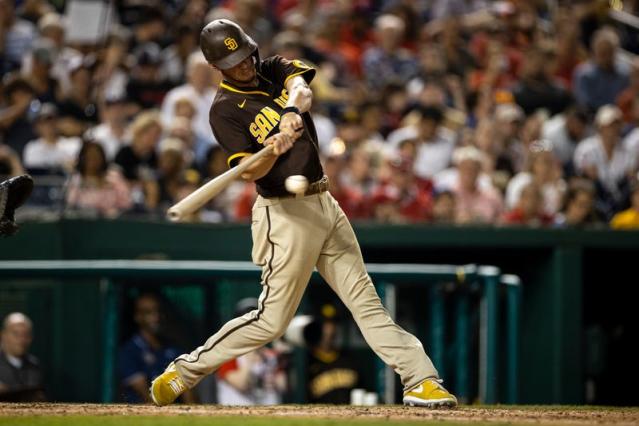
(296, 184)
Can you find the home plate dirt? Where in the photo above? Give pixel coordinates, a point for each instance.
(502, 414)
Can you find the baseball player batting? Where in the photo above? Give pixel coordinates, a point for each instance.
(267, 102)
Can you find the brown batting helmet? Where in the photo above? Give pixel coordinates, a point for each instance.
(225, 44)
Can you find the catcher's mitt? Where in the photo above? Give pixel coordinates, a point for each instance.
(13, 193)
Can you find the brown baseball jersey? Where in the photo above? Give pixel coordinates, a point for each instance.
(242, 118)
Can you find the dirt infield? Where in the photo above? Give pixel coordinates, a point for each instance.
(500, 414)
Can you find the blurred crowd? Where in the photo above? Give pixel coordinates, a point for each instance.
(443, 111)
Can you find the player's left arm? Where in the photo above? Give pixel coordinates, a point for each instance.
(300, 97)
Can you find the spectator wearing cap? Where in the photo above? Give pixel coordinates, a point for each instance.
(629, 218)
(78, 110)
(604, 159)
(110, 133)
(544, 171)
(20, 372)
(146, 87)
(200, 89)
(529, 209)
(43, 57)
(579, 205)
(536, 88)
(435, 143)
(16, 37)
(50, 152)
(564, 131)
(254, 378)
(474, 203)
(15, 117)
(401, 198)
(509, 121)
(386, 61)
(599, 81)
(95, 189)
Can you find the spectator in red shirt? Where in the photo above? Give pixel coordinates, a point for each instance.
(350, 198)
(401, 198)
(529, 210)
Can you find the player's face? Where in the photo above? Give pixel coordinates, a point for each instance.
(242, 73)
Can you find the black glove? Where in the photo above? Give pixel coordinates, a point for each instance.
(13, 193)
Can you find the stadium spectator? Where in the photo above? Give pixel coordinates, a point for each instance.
(529, 209)
(175, 56)
(401, 198)
(578, 209)
(350, 198)
(17, 112)
(143, 356)
(629, 218)
(139, 159)
(544, 171)
(78, 111)
(358, 173)
(599, 81)
(110, 133)
(387, 61)
(146, 87)
(435, 143)
(254, 378)
(50, 152)
(626, 99)
(95, 188)
(171, 166)
(564, 131)
(20, 372)
(16, 37)
(603, 158)
(443, 208)
(474, 203)
(222, 207)
(200, 89)
(536, 89)
(40, 76)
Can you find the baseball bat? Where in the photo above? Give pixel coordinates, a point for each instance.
(195, 200)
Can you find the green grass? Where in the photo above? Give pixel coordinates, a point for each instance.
(213, 421)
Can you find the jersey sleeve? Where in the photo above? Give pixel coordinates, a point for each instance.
(283, 69)
(231, 136)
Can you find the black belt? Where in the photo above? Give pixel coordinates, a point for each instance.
(313, 188)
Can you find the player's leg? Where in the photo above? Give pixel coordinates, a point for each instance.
(287, 239)
(342, 266)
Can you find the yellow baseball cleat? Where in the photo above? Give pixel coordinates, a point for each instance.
(430, 393)
(167, 387)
